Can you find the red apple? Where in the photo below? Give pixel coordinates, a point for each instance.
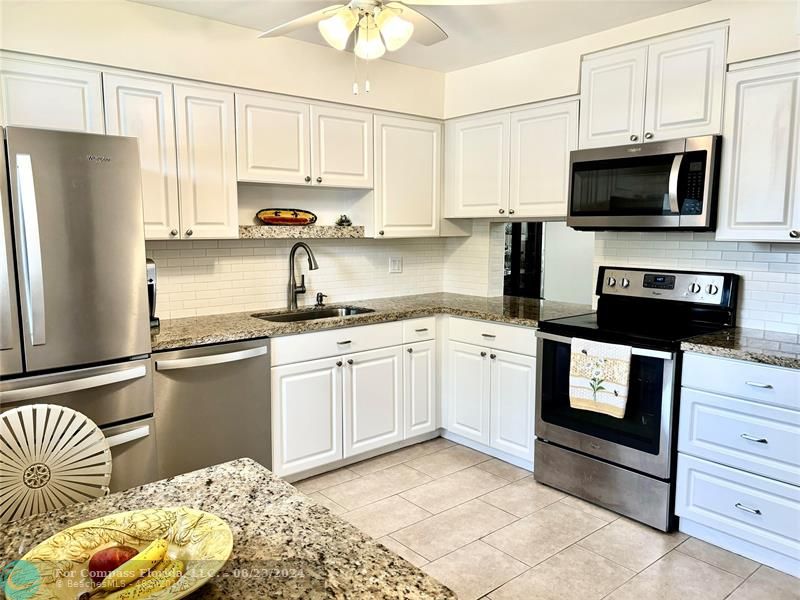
(106, 560)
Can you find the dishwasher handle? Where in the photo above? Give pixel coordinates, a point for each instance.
(210, 359)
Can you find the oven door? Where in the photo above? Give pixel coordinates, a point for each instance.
(642, 440)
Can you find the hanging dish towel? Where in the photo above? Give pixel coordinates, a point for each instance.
(598, 377)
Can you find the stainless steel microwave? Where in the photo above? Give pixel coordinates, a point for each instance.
(659, 185)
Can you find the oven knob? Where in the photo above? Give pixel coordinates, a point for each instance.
(611, 282)
(712, 289)
(695, 288)
(625, 282)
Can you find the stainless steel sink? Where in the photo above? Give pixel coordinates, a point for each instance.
(313, 313)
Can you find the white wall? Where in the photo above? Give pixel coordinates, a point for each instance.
(147, 38)
(757, 28)
(568, 258)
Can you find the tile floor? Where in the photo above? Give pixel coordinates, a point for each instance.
(486, 529)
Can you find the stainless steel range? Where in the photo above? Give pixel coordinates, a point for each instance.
(626, 464)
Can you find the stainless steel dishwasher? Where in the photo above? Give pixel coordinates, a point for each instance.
(212, 405)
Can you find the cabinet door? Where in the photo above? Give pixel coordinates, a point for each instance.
(205, 125)
(306, 415)
(273, 140)
(50, 95)
(373, 400)
(759, 196)
(478, 166)
(143, 108)
(419, 389)
(468, 391)
(408, 181)
(612, 98)
(512, 403)
(341, 147)
(541, 139)
(685, 77)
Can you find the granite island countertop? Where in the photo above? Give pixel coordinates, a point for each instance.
(285, 544)
(755, 345)
(229, 327)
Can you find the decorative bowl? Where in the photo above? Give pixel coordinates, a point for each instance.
(286, 216)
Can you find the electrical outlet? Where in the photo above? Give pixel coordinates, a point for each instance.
(395, 264)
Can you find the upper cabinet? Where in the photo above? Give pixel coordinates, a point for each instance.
(759, 197)
(667, 88)
(408, 165)
(50, 94)
(291, 142)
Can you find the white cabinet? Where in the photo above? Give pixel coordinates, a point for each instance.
(143, 108)
(541, 139)
(373, 400)
(341, 147)
(468, 391)
(419, 387)
(306, 415)
(477, 163)
(759, 196)
(408, 166)
(50, 94)
(513, 387)
(205, 126)
(667, 88)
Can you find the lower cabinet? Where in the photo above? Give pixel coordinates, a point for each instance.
(468, 391)
(419, 387)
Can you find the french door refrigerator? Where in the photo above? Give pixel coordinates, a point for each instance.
(74, 319)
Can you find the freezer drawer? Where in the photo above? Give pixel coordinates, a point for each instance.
(212, 405)
(134, 459)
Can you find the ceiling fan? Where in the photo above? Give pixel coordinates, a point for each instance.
(380, 25)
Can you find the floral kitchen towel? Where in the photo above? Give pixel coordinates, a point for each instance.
(598, 377)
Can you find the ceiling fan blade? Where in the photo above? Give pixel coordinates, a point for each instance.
(462, 2)
(305, 20)
(426, 31)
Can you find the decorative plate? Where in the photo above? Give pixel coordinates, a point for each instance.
(286, 216)
(57, 569)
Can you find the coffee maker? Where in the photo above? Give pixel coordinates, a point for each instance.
(151, 292)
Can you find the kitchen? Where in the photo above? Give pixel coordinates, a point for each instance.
(407, 376)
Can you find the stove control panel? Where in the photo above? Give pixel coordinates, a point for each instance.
(688, 286)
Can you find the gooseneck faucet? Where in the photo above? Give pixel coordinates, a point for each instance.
(294, 289)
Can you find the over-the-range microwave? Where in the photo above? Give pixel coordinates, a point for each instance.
(657, 185)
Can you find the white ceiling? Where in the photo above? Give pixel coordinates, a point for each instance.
(478, 34)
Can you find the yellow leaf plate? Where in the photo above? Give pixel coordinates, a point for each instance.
(57, 569)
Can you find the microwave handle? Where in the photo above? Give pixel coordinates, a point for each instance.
(674, 173)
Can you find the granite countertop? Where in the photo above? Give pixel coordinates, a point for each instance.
(755, 345)
(213, 329)
(288, 545)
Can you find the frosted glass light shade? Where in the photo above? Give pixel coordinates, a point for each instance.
(369, 45)
(337, 29)
(395, 30)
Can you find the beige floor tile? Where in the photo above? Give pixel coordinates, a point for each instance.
(632, 544)
(768, 584)
(677, 576)
(572, 574)
(454, 489)
(592, 509)
(437, 444)
(384, 461)
(407, 553)
(376, 486)
(727, 561)
(544, 533)
(385, 516)
(523, 497)
(450, 460)
(503, 469)
(319, 498)
(436, 536)
(474, 570)
(326, 480)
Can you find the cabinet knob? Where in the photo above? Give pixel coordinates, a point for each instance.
(174, 232)
(349, 361)
(380, 232)
(511, 211)
(319, 179)
(338, 363)
(794, 234)
(483, 354)
(634, 137)
(410, 350)
(502, 211)
(308, 178)
(493, 356)
(189, 232)
(648, 136)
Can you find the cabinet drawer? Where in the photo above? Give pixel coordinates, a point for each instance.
(335, 342)
(752, 381)
(418, 330)
(753, 508)
(748, 435)
(521, 340)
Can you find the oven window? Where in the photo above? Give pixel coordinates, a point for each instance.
(641, 427)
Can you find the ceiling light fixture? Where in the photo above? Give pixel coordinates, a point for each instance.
(395, 30)
(336, 30)
(369, 45)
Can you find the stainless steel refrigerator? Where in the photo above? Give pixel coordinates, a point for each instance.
(74, 319)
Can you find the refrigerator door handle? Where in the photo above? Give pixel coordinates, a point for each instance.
(65, 387)
(6, 316)
(32, 260)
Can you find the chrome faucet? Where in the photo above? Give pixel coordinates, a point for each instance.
(294, 289)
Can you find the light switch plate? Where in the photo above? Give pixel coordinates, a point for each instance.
(395, 264)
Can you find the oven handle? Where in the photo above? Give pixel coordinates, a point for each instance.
(636, 351)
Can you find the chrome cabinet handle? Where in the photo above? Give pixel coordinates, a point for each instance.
(410, 350)
(380, 232)
(794, 234)
(64, 387)
(423, 330)
(174, 232)
(308, 178)
(489, 336)
(212, 359)
(483, 354)
(511, 211)
(634, 137)
(752, 511)
(128, 436)
(756, 384)
(338, 363)
(502, 211)
(189, 232)
(32, 259)
(674, 174)
(493, 356)
(344, 343)
(648, 136)
(350, 361)
(752, 438)
(319, 179)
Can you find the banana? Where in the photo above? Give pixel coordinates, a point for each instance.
(161, 577)
(132, 570)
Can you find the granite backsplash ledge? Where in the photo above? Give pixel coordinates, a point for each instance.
(755, 345)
